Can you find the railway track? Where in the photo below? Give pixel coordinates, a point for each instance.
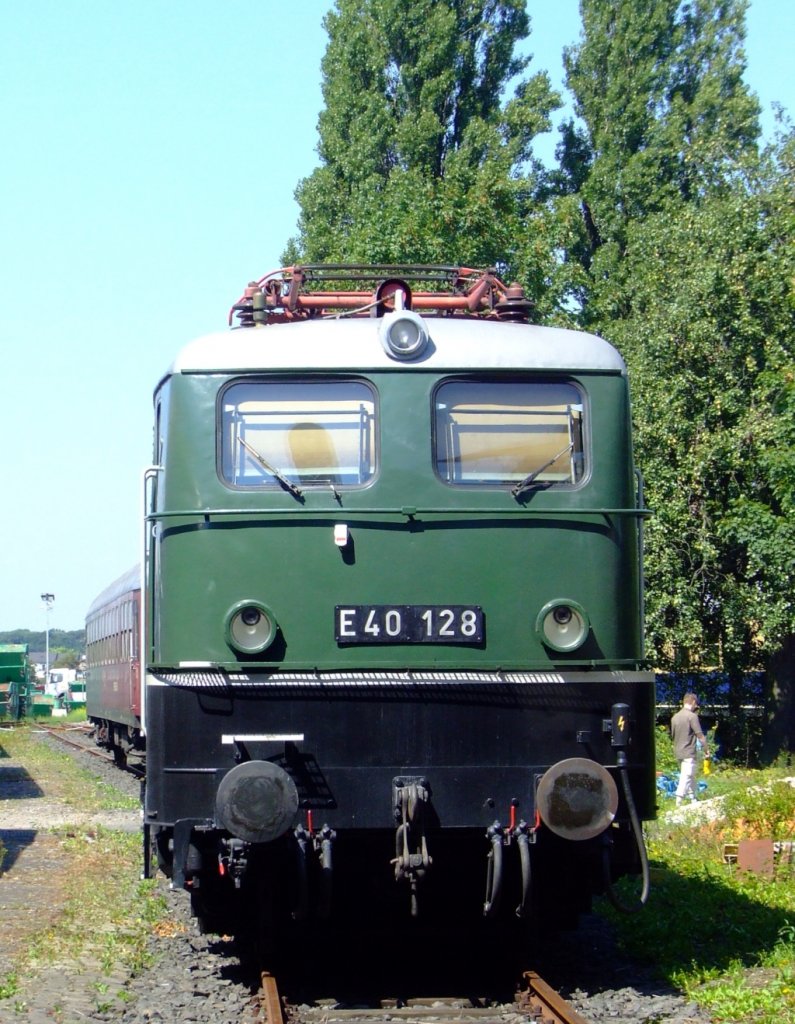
(84, 744)
(537, 1003)
(203, 977)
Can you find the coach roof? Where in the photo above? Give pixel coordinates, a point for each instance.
(129, 581)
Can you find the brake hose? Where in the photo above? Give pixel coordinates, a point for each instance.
(638, 833)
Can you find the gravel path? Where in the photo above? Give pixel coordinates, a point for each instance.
(200, 979)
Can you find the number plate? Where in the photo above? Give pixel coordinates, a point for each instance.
(408, 624)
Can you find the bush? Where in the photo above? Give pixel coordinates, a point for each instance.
(725, 937)
(664, 750)
(762, 812)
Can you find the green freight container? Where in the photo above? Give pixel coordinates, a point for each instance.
(15, 681)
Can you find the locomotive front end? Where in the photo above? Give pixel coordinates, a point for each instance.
(393, 605)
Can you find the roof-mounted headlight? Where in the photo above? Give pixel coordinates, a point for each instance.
(250, 627)
(403, 334)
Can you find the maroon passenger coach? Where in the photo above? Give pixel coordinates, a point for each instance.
(113, 670)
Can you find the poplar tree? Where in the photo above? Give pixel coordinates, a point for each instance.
(663, 118)
(686, 263)
(422, 159)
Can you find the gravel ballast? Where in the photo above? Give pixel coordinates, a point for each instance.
(197, 978)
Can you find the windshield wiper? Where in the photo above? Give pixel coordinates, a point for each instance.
(288, 485)
(531, 477)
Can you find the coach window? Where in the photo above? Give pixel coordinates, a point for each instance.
(497, 433)
(301, 433)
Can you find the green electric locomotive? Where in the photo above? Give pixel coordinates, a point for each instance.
(393, 647)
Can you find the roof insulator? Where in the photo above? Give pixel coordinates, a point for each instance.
(515, 307)
(246, 306)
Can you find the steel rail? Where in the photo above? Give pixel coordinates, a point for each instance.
(59, 734)
(103, 755)
(548, 1005)
(270, 1004)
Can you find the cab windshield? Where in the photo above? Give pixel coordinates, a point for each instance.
(501, 433)
(304, 432)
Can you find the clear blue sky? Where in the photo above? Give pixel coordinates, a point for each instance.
(150, 151)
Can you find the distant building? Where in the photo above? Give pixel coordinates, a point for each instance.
(38, 662)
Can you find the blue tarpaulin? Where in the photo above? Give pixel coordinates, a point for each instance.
(667, 785)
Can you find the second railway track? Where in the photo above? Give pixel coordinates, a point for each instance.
(81, 738)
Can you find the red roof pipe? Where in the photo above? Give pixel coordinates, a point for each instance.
(472, 300)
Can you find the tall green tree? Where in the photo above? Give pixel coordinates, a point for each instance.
(686, 256)
(422, 159)
(709, 340)
(663, 118)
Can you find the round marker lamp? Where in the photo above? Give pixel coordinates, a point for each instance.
(250, 627)
(563, 625)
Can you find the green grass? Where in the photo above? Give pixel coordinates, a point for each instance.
(108, 912)
(726, 938)
(66, 779)
(77, 713)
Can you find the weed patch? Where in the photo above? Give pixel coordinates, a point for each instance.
(61, 777)
(723, 936)
(107, 913)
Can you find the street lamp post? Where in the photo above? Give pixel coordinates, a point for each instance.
(48, 600)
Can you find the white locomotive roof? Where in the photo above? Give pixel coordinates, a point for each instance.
(457, 343)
